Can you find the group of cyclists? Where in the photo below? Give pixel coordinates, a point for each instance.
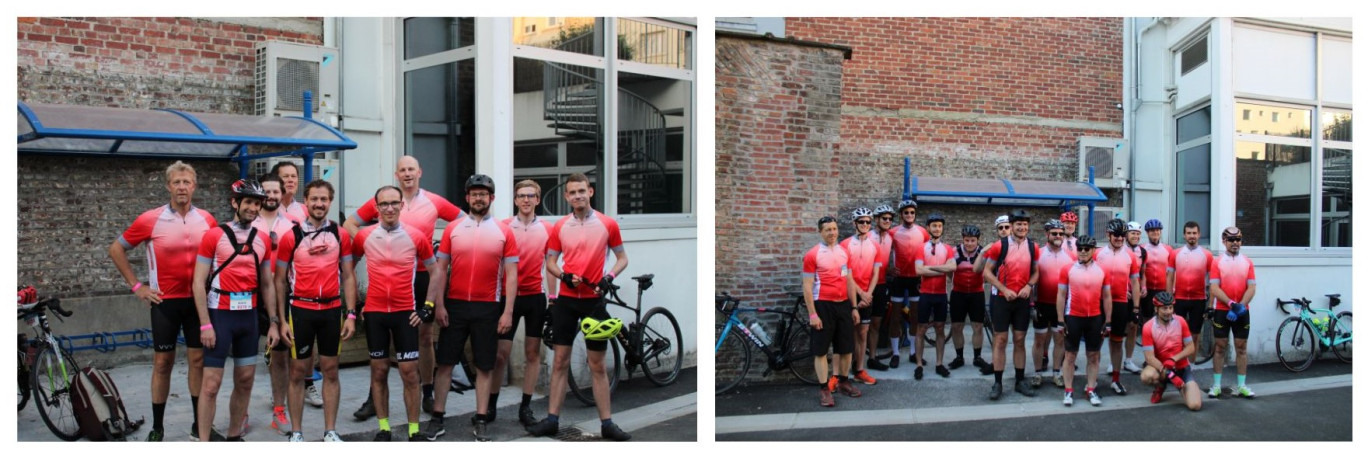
(1072, 290)
(280, 269)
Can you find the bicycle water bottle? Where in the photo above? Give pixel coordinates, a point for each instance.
(1321, 324)
(759, 332)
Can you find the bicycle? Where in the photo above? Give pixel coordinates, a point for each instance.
(652, 342)
(46, 371)
(1298, 336)
(792, 336)
(1206, 346)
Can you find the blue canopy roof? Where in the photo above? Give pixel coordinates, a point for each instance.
(1003, 192)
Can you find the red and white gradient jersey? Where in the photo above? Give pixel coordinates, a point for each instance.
(1015, 271)
(907, 243)
(885, 254)
(934, 254)
(1122, 265)
(1234, 275)
(583, 246)
(294, 211)
(531, 253)
(1086, 284)
(1051, 263)
(172, 241)
(1166, 341)
(827, 266)
(478, 250)
(241, 274)
(1190, 266)
(1156, 266)
(314, 264)
(392, 259)
(274, 231)
(419, 213)
(966, 280)
(1071, 244)
(863, 256)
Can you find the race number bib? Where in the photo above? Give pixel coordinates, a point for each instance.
(240, 301)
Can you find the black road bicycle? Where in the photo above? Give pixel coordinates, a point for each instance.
(789, 347)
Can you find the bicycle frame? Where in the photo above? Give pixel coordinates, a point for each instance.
(775, 358)
(1306, 313)
(631, 341)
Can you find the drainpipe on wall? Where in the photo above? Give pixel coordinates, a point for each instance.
(1130, 62)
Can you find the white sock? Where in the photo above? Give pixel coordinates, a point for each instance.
(894, 342)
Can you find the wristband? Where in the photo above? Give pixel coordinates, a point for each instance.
(551, 297)
(429, 304)
(813, 317)
(351, 316)
(206, 327)
(136, 287)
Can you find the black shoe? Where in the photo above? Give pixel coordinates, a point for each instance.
(417, 437)
(432, 430)
(918, 373)
(986, 370)
(923, 361)
(1023, 387)
(545, 427)
(214, 434)
(873, 364)
(493, 413)
(615, 433)
(428, 402)
(894, 363)
(481, 430)
(383, 435)
(941, 370)
(979, 362)
(525, 416)
(958, 362)
(460, 387)
(996, 392)
(883, 355)
(366, 411)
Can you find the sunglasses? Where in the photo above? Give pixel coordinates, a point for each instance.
(909, 212)
(886, 218)
(1056, 233)
(1004, 227)
(863, 222)
(1234, 239)
(1085, 249)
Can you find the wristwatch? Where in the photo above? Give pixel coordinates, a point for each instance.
(275, 320)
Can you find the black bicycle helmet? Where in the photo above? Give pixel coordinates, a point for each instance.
(1163, 298)
(1116, 227)
(480, 180)
(1018, 215)
(1053, 225)
(935, 217)
(247, 188)
(970, 231)
(907, 203)
(1085, 241)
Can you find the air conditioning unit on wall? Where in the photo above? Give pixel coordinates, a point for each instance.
(285, 70)
(1099, 221)
(1109, 158)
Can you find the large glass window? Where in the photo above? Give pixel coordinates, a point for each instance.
(424, 36)
(579, 35)
(558, 128)
(1337, 190)
(1273, 193)
(1276, 183)
(439, 105)
(1193, 199)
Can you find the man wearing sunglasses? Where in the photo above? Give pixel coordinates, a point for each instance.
(1188, 267)
(1085, 290)
(1232, 288)
(272, 221)
(905, 288)
(1053, 260)
(1123, 267)
(865, 266)
(883, 225)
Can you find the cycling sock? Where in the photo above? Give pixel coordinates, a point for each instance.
(158, 412)
(606, 422)
(894, 342)
(308, 382)
(384, 424)
(413, 429)
(427, 391)
(526, 400)
(959, 352)
(1239, 380)
(997, 377)
(1116, 375)
(978, 352)
(438, 417)
(842, 378)
(194, 407)
(553, 418)
(1020, 374)
(1216, 380)
(493, 401)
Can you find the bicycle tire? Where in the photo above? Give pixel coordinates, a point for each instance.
(1296, 344)
(729, 375)
(23, 382)
(1206, 344)
(1344, 327)
(50, 380)
(662, 368)
(581, 379)
(798, 353)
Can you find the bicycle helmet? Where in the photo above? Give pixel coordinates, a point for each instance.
(247, 188)
(935, 217)
(1132, 226)
(1018, 215)
(861, 212)
(883, 209)
(480, 180)
(600, 330)
(907, 203)
(1053, 225)
(1116, 227)
(1000, 220)
(1068, 217)
(1153, 223)
(1163, 299)
(969, 231)
(1085, 241)
(1230, 231)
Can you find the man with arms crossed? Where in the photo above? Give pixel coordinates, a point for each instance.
(934, 261)
(966, 297)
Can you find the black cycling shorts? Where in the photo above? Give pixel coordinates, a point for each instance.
(420, 291)
(838, 328)
(1014, 314)
(880, 306)
(933, 308)
(175, 317)
(1077, 329)
(477, 321)
(533, 307)
(1046, 317)
(235, 334)
(386, 328)
(904, 288)
(1121, 316)
(263, 327)
(966, 304)
(321, 325)
(1222, 326)
(1147, 307)
(1193, 311)
(566, 316)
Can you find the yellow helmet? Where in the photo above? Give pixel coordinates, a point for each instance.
(600, 330)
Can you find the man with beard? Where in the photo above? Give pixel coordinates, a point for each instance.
(270, 221)
(1053, 260)
(1138, 317)
(883, 221)
(1232, 288)
(1070, 221)
(1167, 344)
(865, 266)
(1188, 267)
(233, 277)
(905, 288)
(934, 261)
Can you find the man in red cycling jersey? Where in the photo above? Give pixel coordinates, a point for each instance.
(1070, 221)
(320, 307)
(883, 220)
(1124, 269)
(1167, 344)
(232, 278)
(966, 297)
(531, 303)
(905, 289)
(1188, 268)
(275, 223)
(827, 291)
(1015, 279)
(1138, 318)
(862, 250)
(172, 233)
(1086, 301)
(584, 238)
(288, 172)
(1155, 271)
(934, 261)
(1048, 328)
(422, 209)
(393, 251)
(1232, 288)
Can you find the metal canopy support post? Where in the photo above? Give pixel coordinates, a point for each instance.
(1091, 206)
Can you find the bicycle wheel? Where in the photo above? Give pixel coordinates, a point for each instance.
(581, 379)
(1206, 346)
(662, 346)
(1344, 329)
(50, 379)
(798, 353)
(732, 362)
(23, 382)
(1296, 344)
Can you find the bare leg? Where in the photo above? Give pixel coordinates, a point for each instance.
(413, 397)
(332, 392)
(1018, 349)
(280, 377)
(483, 387)
(872, 340)
(299, 370)
(599, 372)
(209, 387)
(243, 378)
(861, 334)
(439, 392)
(1000, 351)
(560, 372)
(1094, 365)
(919, 344)
(1058, 349)
(380, 387)
(1218, 357)
(940, 342)
(1069, 358)
(1192, 396)
(1241, 359)
(195, 358)
(162, 363)
(532, 369)
(505, 348)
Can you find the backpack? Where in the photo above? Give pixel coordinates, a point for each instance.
(299, 234)
(1002, 254)
(99, 409)
(237, 250)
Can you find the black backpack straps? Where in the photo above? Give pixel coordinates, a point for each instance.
(237, 249)
(1002, 254)
(1030, 245)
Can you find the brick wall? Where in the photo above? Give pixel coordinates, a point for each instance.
(73, 208)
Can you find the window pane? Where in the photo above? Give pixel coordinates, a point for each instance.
(1338, 125)
(1271, 120)
(1194, 125)
(648, 107)
(581, 154)
(558, 104)
(580, 35)
(653, 44)
(1194, 55)
(424, 36)
(1273, 193)
(1337, 196)
(439, 127)
(540, 155)
(1194, 189)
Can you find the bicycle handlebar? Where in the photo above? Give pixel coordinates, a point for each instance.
(1282, 305)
